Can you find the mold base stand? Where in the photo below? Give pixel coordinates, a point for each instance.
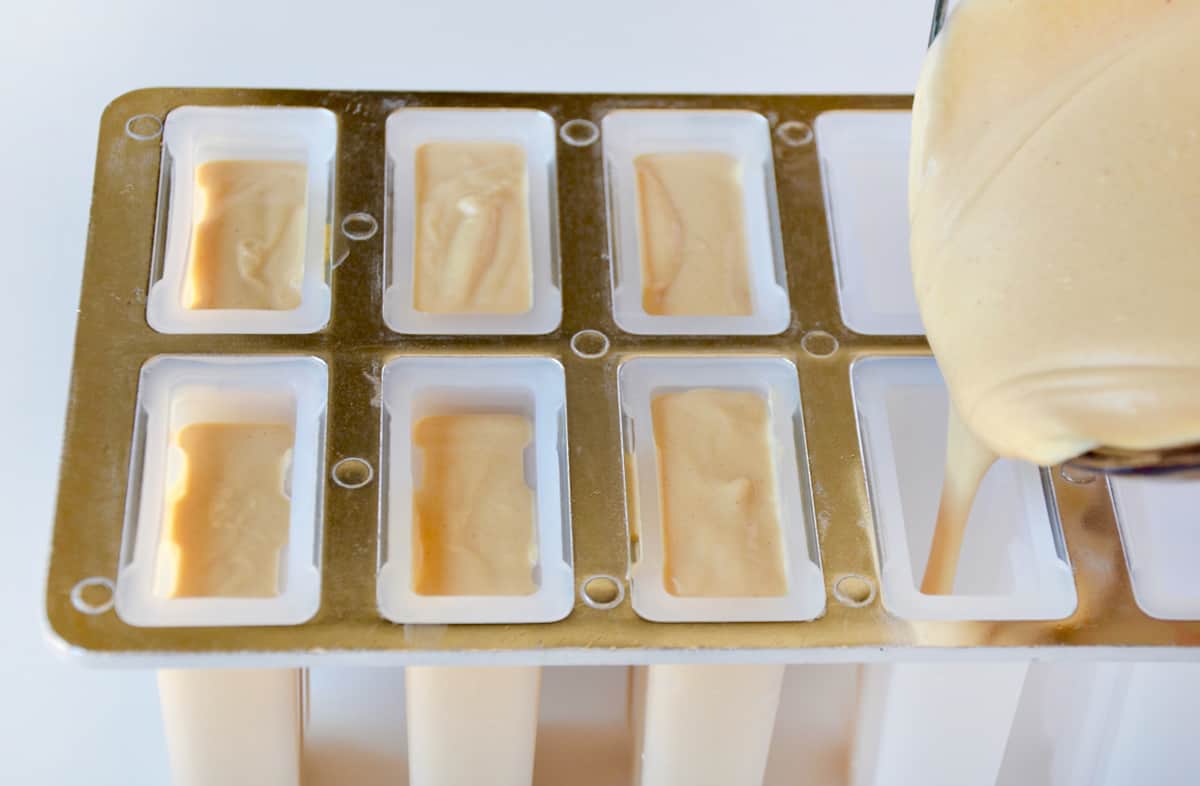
(234, 727)
(937, 724)
(703, 725)
(470, 725)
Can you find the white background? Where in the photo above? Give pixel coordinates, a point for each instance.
(61, 62)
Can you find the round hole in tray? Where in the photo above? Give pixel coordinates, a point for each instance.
(602, 592)
(819, 344)
(143, 127)
(353, 473)
(589, 344)
(579, 132)
(794, 133)
(854, 590)
(1080, 477)
(93, 596)
(360, 226)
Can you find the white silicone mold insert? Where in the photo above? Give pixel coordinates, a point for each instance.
(194, 135)
(414, 388)
(629, 133)
(1013, 563)
(1161, 535)
(176, 391)
(639, 381)
(864, 166)
(533, 130)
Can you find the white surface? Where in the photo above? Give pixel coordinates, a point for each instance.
(746, 138)
(415, 388)
(410, 128)
(194, 135)
(176, 391)
(1009, 568)
(60, 724)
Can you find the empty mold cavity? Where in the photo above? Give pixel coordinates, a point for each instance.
(244, 210)
(864, 165)
(1162, 544)
(463, 426)
(1013, 563)
(204, 427)
(704, 266)
(787, 582)
(472, 229)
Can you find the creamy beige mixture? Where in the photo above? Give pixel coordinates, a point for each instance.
(1055, 208)
(472, 229)
(717, 497)
(967, 461)
(473, 511)
(247, 244)
(227, 519)
(692, 235)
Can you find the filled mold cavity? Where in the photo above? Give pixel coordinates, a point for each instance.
(225, 507)
(245, 206)
(473, 222)
(693, 223)
(474, 478)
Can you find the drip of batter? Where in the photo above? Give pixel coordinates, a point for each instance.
(1054, 188)
(967, 461)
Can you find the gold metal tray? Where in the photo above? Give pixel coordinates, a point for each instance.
(113, 340)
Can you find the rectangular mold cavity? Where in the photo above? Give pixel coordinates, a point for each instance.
(195, 135)
(639, 381)
(1159, 531)
(176, 391)
(409, 129)
(864, 168)
(415, 388)
(1012, 566)
(744, 136)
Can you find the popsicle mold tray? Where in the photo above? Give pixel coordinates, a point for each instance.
(829, 341)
